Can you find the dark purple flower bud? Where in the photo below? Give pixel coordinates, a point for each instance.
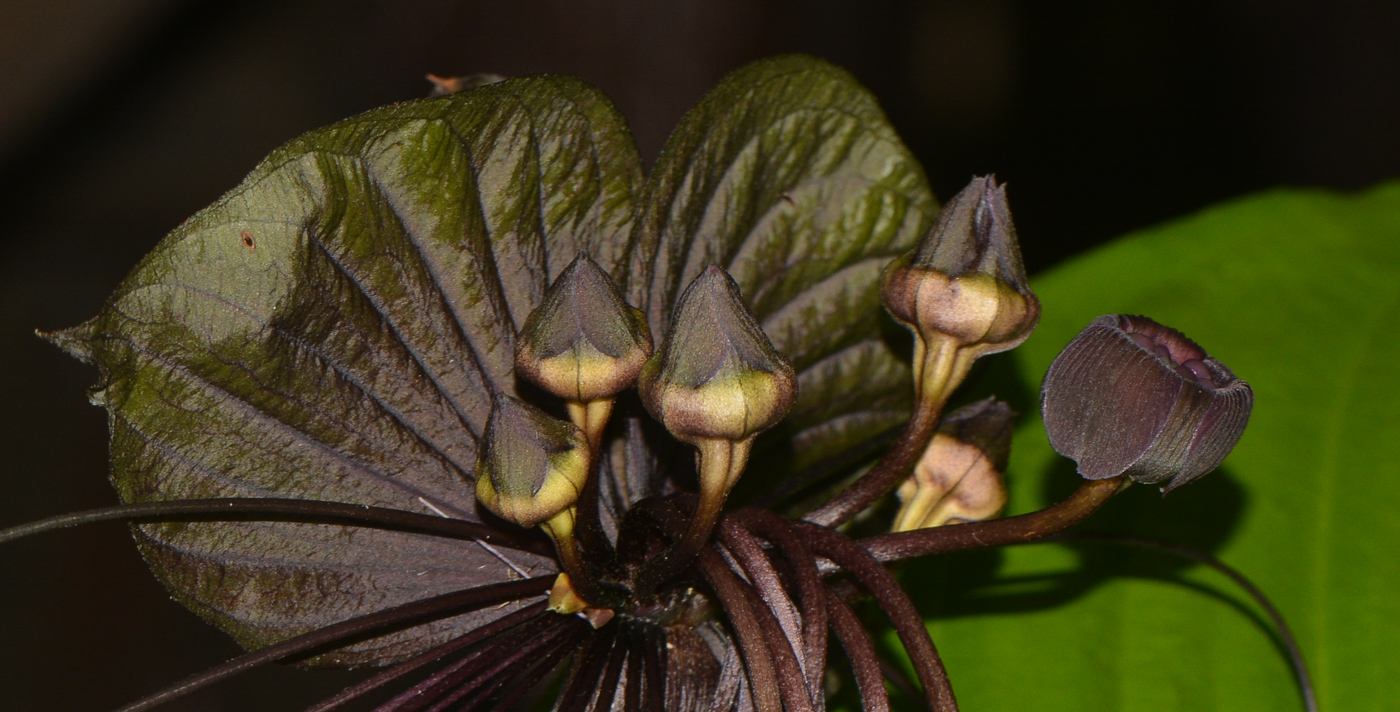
(965, 280)
(717, 375)
(1129, 395)
(533, 466)
(584, 341)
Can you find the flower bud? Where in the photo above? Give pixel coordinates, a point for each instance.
(717, 376)
(1129, 395)
(533, 466)
(583, 342)
(965, 280)
(959, 476)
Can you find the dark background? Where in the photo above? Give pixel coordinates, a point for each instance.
(119, 118)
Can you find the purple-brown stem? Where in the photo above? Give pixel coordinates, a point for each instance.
(758, 661)
(908, 624)
(996, 532)
(802, 563)
(892, 469)
(861, 652)
(278, 509)
(764, 578)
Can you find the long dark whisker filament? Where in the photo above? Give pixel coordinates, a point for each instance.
(908, 624)
(861, 653)
(456, 675)
(505, 667)
(769, 586)
(654, 654)
(607, 689)
(428, 657)
(636, 659)
(583, 684)
(758, 661)
(285, 509)
(810, 588)
(381, 622)
(1290, 644)
(523, 685)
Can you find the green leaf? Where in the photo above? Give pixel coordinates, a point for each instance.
(333, 329)
(1298, 292)
(788, 176)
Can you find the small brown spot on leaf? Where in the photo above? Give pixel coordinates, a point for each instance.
(787, 198)
(248, 241)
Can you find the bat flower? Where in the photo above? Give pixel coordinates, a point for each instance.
(394, 401)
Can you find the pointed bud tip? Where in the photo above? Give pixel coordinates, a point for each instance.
(966, 280)
(1129, 395)
(583, 342)
(717, 375)
(533, 466)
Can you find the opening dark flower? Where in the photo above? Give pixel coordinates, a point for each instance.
(1130, 396)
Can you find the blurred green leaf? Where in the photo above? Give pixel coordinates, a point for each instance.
(1298, 292)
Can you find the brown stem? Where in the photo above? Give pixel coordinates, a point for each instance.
(592, 418)
(758, 661)
(278, 509)
(792, 683)
(720, 463)
(908, 624)
(892, 469)
(764, 578)
(799, 556)
(861, 652)
(996, 532)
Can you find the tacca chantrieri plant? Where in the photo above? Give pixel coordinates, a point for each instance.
(452, 389)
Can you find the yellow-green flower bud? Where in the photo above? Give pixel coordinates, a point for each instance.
(583, 342)
(959, 476)
(533, 466)
(717, 376)
(965, 280)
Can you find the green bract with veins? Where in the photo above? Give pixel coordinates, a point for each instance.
(335, 327)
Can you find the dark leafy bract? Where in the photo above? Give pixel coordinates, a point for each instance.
(788, 176)
(334, 329)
